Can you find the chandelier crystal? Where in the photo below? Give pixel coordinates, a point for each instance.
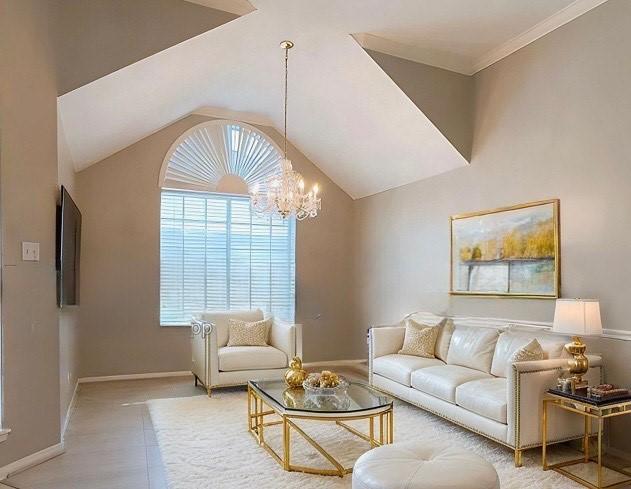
(285, 195)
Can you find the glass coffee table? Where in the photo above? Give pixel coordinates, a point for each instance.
(360, 402)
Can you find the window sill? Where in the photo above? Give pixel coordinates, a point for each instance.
(171, 325)
(4, 434)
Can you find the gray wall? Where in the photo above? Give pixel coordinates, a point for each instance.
(28, 190)
(97, 37)
(445, 97)
(551, 120)
(120, 201)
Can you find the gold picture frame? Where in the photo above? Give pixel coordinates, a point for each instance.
(522, 261)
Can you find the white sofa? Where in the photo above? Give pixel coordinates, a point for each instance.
(217, 365)
(473, 384)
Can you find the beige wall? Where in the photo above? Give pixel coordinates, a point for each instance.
(120, 201)
(97, 37)
(552, 120)
(28, 190)
(68, 315)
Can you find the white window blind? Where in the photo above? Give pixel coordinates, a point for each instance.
(217, 254)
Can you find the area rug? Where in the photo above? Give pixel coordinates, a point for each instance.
(204, 444)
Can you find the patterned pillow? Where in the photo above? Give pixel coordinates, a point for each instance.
(527, 353)
(420, 339)
(242, 333)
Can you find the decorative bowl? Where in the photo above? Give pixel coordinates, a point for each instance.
(326, 391)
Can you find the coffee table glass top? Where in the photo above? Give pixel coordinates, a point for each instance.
(358, 397)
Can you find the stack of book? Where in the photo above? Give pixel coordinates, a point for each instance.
(606, 392)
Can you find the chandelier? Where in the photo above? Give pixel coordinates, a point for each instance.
(285, 193)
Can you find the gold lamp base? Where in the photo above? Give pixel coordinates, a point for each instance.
(579, 365)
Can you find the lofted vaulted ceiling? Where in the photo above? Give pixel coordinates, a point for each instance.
(357, 122)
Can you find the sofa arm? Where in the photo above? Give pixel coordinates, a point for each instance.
(553, 363)
(384, 340)
(527, 385)
(287, 337)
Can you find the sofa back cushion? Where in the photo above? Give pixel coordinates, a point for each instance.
(511, 341)
(472, 347)
(220, 319)
(444, 339)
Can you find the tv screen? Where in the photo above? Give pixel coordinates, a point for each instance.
(68, 250)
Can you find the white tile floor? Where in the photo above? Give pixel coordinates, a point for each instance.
(110, 442)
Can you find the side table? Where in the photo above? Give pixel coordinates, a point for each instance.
(591, 411)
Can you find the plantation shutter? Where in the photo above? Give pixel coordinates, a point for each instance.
(216, 254)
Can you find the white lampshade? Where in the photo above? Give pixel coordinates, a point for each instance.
(579, 317)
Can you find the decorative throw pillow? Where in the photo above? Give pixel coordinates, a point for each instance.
(527, 353)
(242, 333)
(420, 339)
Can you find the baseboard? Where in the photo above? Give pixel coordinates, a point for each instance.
(31, 460)
(153, 375)
(69, 410)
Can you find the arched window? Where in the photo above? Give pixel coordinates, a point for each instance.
(215, 252)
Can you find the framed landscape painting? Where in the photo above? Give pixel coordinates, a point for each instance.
(511, 251)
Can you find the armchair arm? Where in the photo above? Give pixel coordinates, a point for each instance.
(205, 351)
(527, 384)
(287, 338)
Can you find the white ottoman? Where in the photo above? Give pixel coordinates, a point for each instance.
(422, 465)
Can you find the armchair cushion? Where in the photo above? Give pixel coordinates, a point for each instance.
(220, 320)
(399, 367)
(486, 397)
(233, 358)
(243, 333)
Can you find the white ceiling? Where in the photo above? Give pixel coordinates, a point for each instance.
(345, 114)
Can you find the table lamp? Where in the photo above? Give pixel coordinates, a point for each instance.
(577, 317)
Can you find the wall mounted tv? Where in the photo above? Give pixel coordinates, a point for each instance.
(68, 250)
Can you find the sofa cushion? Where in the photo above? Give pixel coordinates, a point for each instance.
(399, 367)
(442, 381)
(472, 347)
(486, 397)
(511, 341)
(233, 358)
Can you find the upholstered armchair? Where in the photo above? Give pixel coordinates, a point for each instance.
(218, 365)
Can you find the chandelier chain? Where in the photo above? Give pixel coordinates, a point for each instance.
(286, 77)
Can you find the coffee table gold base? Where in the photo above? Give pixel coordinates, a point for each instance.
(258, 410)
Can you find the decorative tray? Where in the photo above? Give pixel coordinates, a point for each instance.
(590, 400)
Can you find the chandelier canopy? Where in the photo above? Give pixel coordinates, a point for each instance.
(284, 193)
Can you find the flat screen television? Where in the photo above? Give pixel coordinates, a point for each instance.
(68, 250)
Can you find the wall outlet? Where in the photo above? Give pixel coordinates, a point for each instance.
(30, 251)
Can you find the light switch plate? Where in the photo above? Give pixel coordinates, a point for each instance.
(30, 251)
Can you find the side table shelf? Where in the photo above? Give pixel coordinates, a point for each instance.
(591, 412)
